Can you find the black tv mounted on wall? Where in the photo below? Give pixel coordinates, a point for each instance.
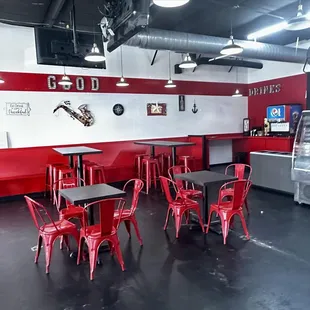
(55, 47)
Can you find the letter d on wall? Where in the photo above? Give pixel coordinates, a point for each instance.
(94, 84)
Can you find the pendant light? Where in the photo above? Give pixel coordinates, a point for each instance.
(170, 83)
(188, 63)
(299, 22)
(95, 55)
(231, 48)
(170, 3)
(122, 82)
(237, 92)
(65, 80)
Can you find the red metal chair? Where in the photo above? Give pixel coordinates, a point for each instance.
(128, 215)
(49, 230)
(165, 162)
(239, 172)
(179, 206)
(228, 209)
(95, 235)
(71, 211)
(181, 187)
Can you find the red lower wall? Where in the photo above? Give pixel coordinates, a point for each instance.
(22, 170)
(293, 90)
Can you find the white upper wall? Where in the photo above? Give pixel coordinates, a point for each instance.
(274, 70)
(19, 55)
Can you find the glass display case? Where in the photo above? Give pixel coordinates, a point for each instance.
(301, 160)
(301, 150)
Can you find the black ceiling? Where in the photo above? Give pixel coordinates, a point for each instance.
(210, 17)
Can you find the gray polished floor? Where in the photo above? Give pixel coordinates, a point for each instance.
(269, 272)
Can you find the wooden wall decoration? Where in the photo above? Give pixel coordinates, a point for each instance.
(156, 109)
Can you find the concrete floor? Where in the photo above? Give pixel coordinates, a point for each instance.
(269, 272)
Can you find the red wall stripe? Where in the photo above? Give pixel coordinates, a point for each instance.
(15, 81)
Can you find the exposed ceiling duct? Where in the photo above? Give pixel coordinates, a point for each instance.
(157, 39)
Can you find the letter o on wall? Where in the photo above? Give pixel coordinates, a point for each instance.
(80, 83)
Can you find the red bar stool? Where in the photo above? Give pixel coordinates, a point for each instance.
(138, 164)
(49, 179)
(150, 171)
(96, 174)
(60, 173)
(185, 160)
(165, 162)
(86, 166)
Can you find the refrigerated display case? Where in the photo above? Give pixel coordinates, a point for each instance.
(301, 160)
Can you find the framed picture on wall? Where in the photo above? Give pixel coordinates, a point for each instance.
(181, 103)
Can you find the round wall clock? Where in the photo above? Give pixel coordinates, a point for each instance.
(118, 109)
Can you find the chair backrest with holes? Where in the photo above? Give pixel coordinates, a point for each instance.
(67, 183)
(240, 189)
(39, 214)
(172, 171)
(165, 182)
(137, 188)
(240, 170)
(107, 207)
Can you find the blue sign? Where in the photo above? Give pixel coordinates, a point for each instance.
(276, 113)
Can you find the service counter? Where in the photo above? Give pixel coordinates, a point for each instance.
(272, 170)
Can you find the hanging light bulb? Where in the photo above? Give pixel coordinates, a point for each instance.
(65, 80)
(299, 22)
(94, 55)
(170, 3)
(170, 83)
(237, 93)
(122, 82)
(232, 48)
(1, 80)
(188, 63)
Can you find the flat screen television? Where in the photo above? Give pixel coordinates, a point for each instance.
(55, 47)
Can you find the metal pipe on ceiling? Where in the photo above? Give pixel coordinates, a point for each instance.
(230, 62)
(53, 12)
(158, 39)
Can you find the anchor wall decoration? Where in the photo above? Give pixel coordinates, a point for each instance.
(194, 109)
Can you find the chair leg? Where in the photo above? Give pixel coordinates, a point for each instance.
(93, 255)
(135, 225)
(209, 220)
(80, 249)
(48, 246)
(147, 177)
(61, 242)
(178, 223)
(244, 225)
(154, 175)
(39, 245)
(118, 252)
(247, 206)
(127, 225)
(167, 219)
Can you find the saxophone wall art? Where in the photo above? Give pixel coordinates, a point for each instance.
(85, 117)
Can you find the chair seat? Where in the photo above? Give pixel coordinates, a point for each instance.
(191, 192)
(225, 206)
(72, 211)
(62, 226)
(93, 232)
(126, 213)
(185, 203)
